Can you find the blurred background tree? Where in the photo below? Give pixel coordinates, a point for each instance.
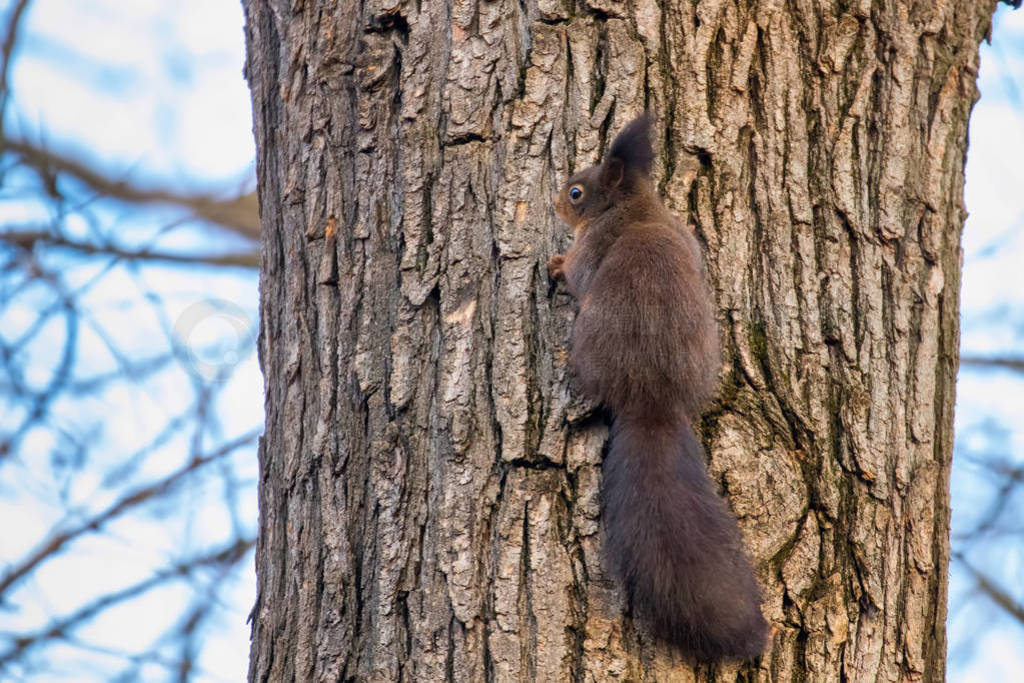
(130, 397)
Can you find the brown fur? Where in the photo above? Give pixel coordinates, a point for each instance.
(645, 346)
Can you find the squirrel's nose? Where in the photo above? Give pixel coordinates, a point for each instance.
(554, 198)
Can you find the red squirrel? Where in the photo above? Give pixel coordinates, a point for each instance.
(645, 347)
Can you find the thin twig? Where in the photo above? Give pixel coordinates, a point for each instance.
(994, 592)
(239, 214)
(1014, 364)
(29, 239)
(6, 51)
(61, 627)
(56, 542)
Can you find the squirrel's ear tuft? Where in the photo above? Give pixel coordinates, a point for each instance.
(632, 147)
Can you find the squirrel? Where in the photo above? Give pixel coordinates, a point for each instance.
(645, 347)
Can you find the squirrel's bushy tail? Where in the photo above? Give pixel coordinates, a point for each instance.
(675, 545)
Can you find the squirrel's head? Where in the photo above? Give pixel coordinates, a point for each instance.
(625, 168)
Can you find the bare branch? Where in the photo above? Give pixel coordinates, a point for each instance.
(240, 214)
(6, 50)
(56, 542)
(994, 592)
(29, 238)
(994, 362)
(60, 628)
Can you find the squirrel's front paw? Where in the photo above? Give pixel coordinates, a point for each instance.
(556, 266)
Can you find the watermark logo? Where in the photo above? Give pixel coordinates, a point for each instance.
(212, 336)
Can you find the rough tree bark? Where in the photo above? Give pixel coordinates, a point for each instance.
(429, 496)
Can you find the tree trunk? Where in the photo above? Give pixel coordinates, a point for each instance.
(430, 485)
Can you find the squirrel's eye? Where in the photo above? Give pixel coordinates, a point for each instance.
(575, 193)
